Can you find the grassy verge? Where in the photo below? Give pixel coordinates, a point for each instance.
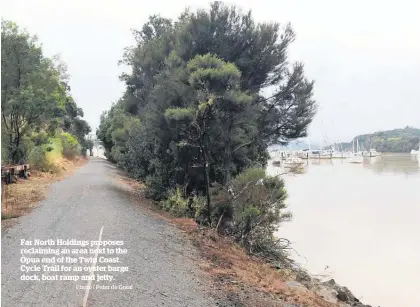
(239, 279)
(22, 196)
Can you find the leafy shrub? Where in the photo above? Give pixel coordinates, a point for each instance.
(71, 147)
(47, 156)
(194, 206)
(40, 138)
(257, 208)
(45, 153)
(53, 151)
(180, 206)
(27, 145)
(198, 203)
(117, 153)
(38, 160)
(156, 188)
(175, 203)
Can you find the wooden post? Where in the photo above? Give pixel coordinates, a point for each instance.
(3, 192)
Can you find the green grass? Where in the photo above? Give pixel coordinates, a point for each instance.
(394, 139)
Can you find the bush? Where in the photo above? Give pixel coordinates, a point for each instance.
(40, 138)
(175, 203)
(38, 160)
(27, 145)
(116, 153)
(196, 205)
(46, 157)
(53, 151)
(255, 208)
(180, 206)
(45, 153)
(70, 145)
(155, 188)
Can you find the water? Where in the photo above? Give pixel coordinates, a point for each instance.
(359, 224)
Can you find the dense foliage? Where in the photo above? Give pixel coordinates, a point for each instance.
(37, 106)
(397, 140)
(193, 116)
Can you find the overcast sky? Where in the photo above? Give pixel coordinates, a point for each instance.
(363, 55)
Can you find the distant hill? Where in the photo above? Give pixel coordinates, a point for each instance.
(397, 140)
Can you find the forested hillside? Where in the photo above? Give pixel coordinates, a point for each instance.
(40, 121)
(397, 140)
(193, 125)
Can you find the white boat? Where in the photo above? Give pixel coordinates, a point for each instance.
(415, 152)
(278, 156)
(356, 159)
(357, 155)
(371, 153)
(294, 161)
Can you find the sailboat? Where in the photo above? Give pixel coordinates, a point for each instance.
(371, 153)
(357, 156)
(415, 152)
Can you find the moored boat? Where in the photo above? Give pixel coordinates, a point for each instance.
(357, 155)
(294, 161)
(371, 153)
(355, 160)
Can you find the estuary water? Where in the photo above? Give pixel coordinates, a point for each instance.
(359, 224)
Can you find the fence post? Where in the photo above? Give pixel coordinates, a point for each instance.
(3, 192)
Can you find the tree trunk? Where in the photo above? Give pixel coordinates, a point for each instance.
(186, 182)
(204, 148)
(16, 155)
(227, 161)
(226, 169)
(207, 182)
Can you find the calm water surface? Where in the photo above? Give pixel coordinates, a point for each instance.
(360, 224)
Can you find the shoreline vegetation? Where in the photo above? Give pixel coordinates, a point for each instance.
(193, 127)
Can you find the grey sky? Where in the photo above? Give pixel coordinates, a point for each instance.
(363, 55)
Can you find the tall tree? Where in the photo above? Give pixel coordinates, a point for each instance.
(34, 91)
(196, 87)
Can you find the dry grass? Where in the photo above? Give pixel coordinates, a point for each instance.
(22, 196)
(235, 271)
(243, 280)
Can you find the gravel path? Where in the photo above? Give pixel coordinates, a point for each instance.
(161, 267)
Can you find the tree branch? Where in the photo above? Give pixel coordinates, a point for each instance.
(273, 132)
(4, 120)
